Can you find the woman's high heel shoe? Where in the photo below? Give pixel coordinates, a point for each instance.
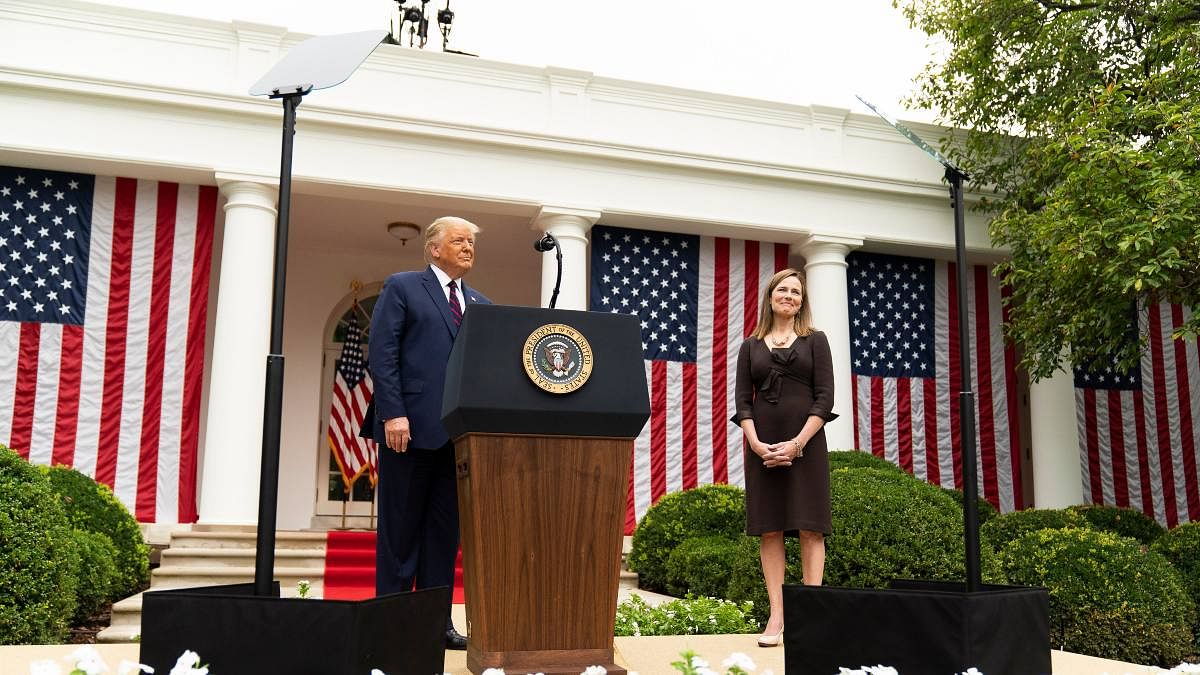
(775, 640)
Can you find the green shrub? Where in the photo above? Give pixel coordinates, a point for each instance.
(1108, 597)
(1125, 522)
(986, 510)
(1007, 527)
(688, 616)
(38, 560)
(859, 459)
(1181, 547)
(888, 525)
(700, 566)
(91, 506)
(96, 574)
(706, 510)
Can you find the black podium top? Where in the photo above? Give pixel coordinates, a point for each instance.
(488, 388)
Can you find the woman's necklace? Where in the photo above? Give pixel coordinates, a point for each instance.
(779, 342)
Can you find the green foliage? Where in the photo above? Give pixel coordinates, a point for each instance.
(38, 559)
(92, 506)
(1108, 597)
(1006, 527)
(687, 616)
(706, 510)
(1125, 522)
(985, 509)
(96, 575)
(1181, 547)
(1084, 121)
(888, 525)
(700, 566)
(859, 459)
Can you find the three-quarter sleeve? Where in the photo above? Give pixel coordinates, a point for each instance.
(822, 378)
(743, 388)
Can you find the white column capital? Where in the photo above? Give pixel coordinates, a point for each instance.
(570, 226)
(248, 190)
(551, 216)
(823, 249)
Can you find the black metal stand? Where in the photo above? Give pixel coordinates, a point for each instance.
(544, 244)
(966, 397)
(268, 485)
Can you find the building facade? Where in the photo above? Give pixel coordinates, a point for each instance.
(413, 135)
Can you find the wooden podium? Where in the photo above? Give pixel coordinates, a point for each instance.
(543, 463)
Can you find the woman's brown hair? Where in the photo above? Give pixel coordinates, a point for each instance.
(803, 319)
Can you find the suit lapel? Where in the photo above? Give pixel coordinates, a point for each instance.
(438, 296)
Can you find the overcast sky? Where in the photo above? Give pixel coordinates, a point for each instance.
(795, 51)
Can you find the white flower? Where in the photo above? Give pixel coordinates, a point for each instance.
(44, 667)
(704, 670)
(189, 664)
(595, 670)
(376, 671)
(699, 663)
(128, 667)
(739, 660)
(493, 671)
(87, 659)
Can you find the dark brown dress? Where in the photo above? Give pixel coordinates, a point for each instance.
(779, 389)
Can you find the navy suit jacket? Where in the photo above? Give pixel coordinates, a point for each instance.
(412, 331)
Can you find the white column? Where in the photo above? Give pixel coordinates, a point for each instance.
(229, 472)
(825, 267)
(1054, 436)
(570, 227)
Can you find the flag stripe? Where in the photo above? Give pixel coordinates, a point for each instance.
(156, 340)
(67, 416)
(1014, 428)
(41, 440)
(1120, 481)
(719, 280)
(687, 427)
(26, 391)
(115, 336)
(193, 378)
(10, 350)
(903, 424)
(984, 366)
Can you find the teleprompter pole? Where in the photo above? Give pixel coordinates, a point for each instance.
(966, 397)
(268, 485)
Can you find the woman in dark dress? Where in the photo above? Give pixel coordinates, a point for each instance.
(783, 398)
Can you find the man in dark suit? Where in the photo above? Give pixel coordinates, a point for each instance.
(412, 330)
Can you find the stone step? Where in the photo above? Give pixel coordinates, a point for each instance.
(213, 575)
(246, 539)
(238, 557)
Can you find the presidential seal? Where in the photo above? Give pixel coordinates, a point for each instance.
(557, 358)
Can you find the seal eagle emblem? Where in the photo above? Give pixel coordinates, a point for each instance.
(557, 358)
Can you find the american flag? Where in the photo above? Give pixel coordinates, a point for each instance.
(351, 394)
(904, 357)
(103, 303)
(1139, 430)
(697, 298)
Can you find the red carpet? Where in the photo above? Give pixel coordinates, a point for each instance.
(350, 567)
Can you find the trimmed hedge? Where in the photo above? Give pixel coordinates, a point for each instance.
(687, 616)
(859, 459)
(91, 506)
(38, 560)
(700, 566)
(96, 575)
(1108, 597)
(1008, 527)
(706, 510)
(1181, 547)
(985, 508)
(889, 525)
(1125, 522)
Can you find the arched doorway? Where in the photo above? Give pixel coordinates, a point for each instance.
(336, 504)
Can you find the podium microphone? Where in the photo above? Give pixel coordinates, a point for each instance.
(546, 243)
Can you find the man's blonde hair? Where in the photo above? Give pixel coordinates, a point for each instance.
(437, 229)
